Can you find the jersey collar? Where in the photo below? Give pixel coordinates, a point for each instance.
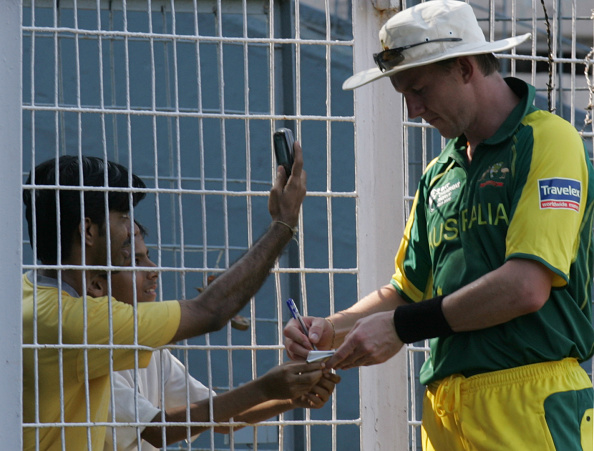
(526, 94)
(45, 281)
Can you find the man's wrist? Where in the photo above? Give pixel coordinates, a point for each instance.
(421, 320)
(284, 228)
(293, 230)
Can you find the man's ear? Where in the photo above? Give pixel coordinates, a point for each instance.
(97, 287)
(466, 67)
(90, 230)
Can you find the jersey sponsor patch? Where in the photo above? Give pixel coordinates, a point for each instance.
(559, 193)
(444, 194)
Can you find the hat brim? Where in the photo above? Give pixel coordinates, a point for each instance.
(369, 75)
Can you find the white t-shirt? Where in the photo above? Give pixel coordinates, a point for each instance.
(149, 398)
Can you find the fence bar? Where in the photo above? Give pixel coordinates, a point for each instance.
(380, 224)
(11, 224)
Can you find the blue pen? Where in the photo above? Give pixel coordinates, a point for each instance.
(295, 314)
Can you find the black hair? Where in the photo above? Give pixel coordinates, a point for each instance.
(66, 171)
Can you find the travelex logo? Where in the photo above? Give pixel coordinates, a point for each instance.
(558, 193)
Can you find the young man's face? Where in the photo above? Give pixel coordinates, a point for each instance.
(120, 237)
(144, 277)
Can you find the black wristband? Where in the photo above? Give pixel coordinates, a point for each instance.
(421, 320)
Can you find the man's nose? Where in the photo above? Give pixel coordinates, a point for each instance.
(152, 274)
(415, 106)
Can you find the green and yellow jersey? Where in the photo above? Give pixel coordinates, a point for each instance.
(527, 194)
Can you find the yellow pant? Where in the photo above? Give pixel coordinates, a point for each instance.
(541, 407)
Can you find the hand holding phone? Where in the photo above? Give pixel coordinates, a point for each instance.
(283, 148)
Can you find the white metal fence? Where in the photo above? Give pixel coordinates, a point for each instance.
(186, 94)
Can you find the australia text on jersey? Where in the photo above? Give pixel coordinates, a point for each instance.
(479, 215)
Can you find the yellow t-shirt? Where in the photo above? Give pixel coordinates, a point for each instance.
(79, 376)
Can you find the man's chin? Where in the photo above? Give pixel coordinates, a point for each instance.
(443, 129)
(447, 134)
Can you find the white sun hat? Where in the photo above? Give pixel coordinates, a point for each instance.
(426, 33)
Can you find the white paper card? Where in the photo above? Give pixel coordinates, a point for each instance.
(316, 356)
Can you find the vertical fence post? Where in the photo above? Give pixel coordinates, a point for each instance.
(11, 224)
(380, 224)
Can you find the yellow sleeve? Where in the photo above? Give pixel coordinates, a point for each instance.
(156, 325)
(548, 213)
